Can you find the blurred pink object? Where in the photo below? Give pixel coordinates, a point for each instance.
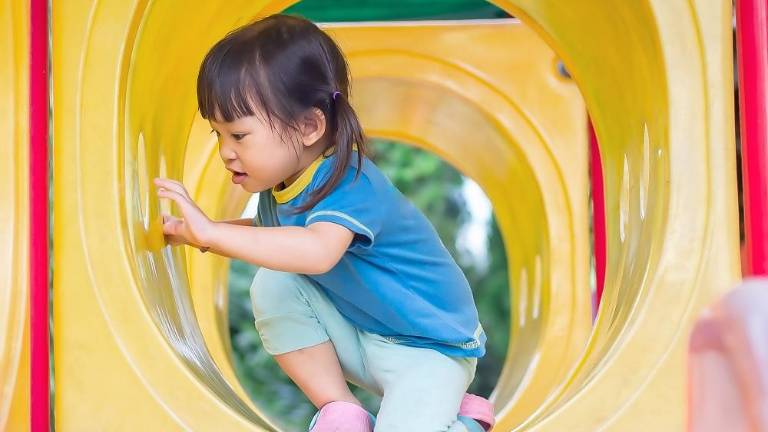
(728, 363)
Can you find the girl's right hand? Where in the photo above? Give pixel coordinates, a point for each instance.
(171, 239)
(194, 227)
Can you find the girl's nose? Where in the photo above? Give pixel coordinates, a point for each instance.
(226, 153)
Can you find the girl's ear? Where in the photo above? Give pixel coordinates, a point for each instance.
(312, 126)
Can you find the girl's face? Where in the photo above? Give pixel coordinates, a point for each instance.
(255, 154)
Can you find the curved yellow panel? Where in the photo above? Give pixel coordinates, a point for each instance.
(655, 75)
(657, 80)
(14, 216)
(129, 354)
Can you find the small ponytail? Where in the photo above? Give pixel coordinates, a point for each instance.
(347, 135)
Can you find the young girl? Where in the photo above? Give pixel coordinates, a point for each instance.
(355, 283)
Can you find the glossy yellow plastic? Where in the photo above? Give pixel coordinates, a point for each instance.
(657, 79)
(14, 216)
(140, 330)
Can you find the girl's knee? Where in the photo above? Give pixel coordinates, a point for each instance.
(282, 313)
(272, 291)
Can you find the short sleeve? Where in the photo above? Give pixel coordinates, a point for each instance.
(355, 204)
(266, 211)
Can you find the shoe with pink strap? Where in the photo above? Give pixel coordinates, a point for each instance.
(477, 410)
(476, 413)
(342, 416)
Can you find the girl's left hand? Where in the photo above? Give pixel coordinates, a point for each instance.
(194, 227)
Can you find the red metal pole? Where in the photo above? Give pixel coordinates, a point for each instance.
(752, 52)
(598, 214)
(38, 207)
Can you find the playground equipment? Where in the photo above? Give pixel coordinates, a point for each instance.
(140, 330)
(14, 218)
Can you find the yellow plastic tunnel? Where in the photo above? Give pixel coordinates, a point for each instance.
(140, 330)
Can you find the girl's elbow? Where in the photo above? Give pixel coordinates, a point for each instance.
(321, 266)
(315, 270)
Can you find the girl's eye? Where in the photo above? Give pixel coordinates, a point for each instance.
(237, 137)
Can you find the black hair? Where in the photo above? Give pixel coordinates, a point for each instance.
(283, 65)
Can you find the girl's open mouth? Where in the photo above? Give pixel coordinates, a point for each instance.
(238, 177)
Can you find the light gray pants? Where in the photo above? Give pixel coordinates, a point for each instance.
(421, 388)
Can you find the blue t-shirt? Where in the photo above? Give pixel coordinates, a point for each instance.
(396, 279)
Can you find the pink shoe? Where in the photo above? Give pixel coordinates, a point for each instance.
(341, 416)
(478, 408)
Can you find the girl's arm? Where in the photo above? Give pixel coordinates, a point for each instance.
(246, 221)
(308, 250)
(175, 240)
